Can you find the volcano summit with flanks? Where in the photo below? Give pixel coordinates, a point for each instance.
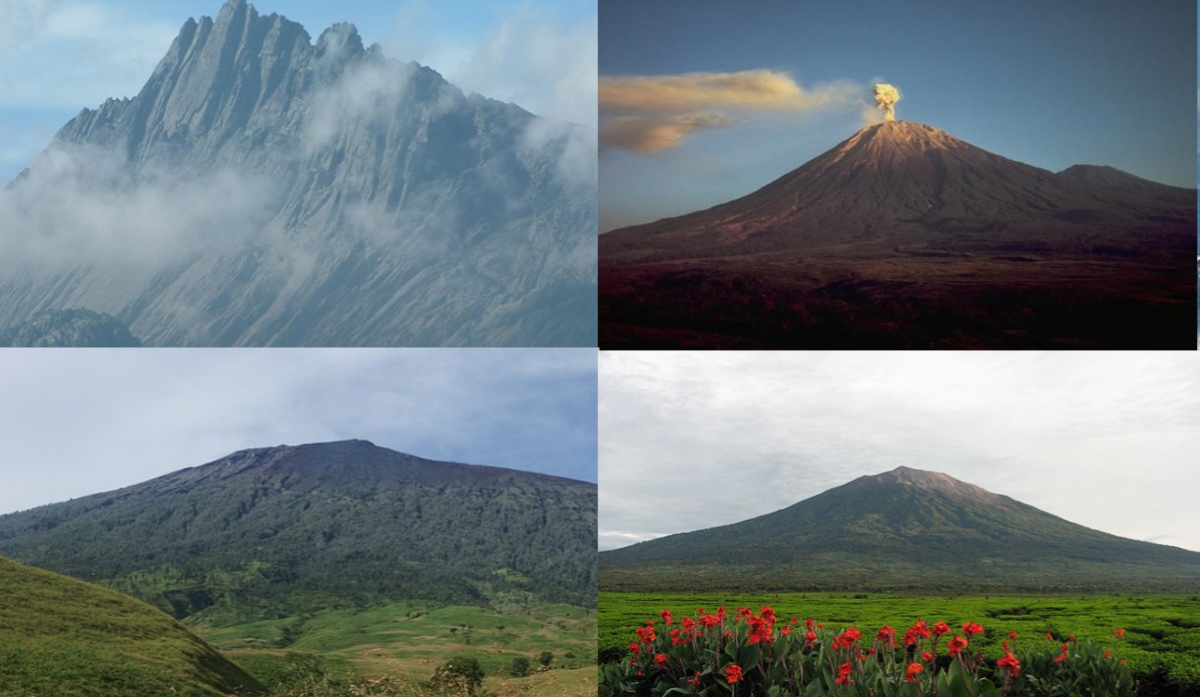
(904, 236)
(292, 529)
(906, 529)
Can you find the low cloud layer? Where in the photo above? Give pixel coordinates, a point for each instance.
(78, 205)
(646, 114)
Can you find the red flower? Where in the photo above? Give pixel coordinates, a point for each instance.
(956, 645)
(1107, 653)
(694, 681)
(666, 615)
(733, 673)
(786, 630)
(1049, 636)
(887, 635)
(688, 624)
(1012, 635)
(1120, 634)
(941, 628)
(850, 636)
(633, 649)
(661, 659)
(768, 614)
(927, 656)
(811, 635)
(844, 675)
(1060, 658)
(910, 673)
(971, 628)
(1009, 663)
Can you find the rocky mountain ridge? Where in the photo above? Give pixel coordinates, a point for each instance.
(301, 193)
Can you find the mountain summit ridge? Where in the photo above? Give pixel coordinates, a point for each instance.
(288, 528)
(903, 529)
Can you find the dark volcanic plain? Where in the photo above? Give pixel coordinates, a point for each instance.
(903, 236)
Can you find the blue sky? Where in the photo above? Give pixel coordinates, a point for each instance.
(59, 56)
(1047, 83)
(74, 423)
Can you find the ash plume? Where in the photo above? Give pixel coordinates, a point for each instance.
(886, 97)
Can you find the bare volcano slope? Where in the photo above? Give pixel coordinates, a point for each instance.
(293, 528)
(901, 529)
(897, 181)
(903, 236)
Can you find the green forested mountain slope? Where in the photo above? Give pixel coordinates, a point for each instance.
(60, 637)
(901, 529)
(279, 531)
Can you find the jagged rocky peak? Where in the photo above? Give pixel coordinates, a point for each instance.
(340, 40)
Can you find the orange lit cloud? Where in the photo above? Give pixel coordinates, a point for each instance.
(752, 89)
(647, 134)
(645, 114)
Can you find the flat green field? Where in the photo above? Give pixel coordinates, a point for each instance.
(408, 641)
(1162, 632)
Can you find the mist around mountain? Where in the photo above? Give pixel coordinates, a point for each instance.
(901, 530)
(60, 636)
(266, 189)
(903, 236)
(277, 532)
(69, 329)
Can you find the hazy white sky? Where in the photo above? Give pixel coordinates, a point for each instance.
(78, 422)
(694, 440)
(59, 56)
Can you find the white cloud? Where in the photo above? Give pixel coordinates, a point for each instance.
(78, 207)
(78, 53)
(545, 64)
(22, 21)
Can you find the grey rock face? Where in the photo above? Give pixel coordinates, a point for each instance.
(276, 191)
(69, 328)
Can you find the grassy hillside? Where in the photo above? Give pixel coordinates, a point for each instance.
(60, 636)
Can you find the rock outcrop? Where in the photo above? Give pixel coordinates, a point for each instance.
(288, 192)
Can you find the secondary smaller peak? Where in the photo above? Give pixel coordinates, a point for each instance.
(341, 39)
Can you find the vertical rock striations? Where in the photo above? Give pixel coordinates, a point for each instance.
(317, 194)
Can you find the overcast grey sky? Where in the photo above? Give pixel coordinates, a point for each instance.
(694, 440)
(78, 422)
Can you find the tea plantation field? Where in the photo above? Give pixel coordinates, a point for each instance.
(1161, 644)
